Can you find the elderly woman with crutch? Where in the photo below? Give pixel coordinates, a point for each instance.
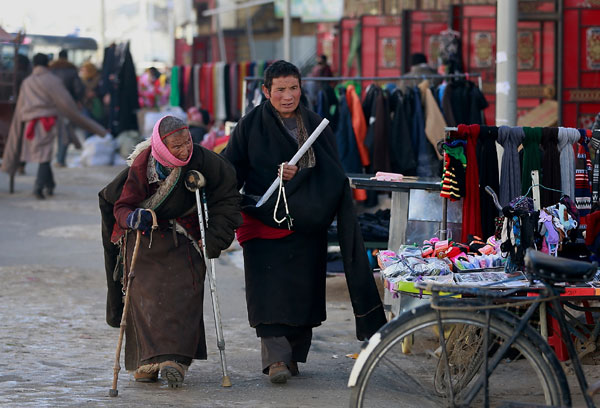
(164, 327)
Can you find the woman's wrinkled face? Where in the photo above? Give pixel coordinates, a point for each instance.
(284, 95)
(180, 144)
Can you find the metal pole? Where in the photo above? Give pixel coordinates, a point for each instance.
(221, 40)
(559, 62)
(102, 32)
(506, 63)
(287, 29)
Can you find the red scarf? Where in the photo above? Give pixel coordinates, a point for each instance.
(47, 122)
(471, 223)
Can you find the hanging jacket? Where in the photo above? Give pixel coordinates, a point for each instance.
(427, 162)
(402, 155)
(358, 124)
(434, 120)
(346, 141)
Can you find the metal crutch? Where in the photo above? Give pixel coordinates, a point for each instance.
(194, 182)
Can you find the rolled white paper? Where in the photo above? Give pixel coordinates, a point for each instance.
(311, 139)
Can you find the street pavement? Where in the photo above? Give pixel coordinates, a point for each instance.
(58, 351)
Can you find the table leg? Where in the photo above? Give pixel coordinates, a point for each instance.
(398, 219)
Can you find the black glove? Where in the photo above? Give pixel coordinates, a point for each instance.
(140, 219)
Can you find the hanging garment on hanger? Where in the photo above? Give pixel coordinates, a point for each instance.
(447, 106)
(402, 156)
(182, 88)
(346, 141)
(234, 91)
(196, 84)
(434, 120)
(359, 124)
(243, 97)
(381, 142)
(327, 105)
(471, 223)
(227, 91)
(174, 97)
(427, 163)
(566, 138)
(487, 161)
(550, 176)
(369, 105)
(477, 103)
(510, 176)
(189, 87)
(531, 156)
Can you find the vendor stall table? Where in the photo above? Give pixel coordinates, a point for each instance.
(400, 200)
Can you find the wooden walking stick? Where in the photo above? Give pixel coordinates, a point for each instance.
(113, 392)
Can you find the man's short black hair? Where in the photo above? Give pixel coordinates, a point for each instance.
(323, 59)
(418, 58)
(40, 59)
(280, 69)
(63, 54)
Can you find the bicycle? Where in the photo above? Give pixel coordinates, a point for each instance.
(463, 350)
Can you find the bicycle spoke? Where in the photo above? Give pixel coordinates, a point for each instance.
(415, 373)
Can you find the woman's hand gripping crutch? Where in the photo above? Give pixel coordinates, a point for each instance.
(127, 280)
(195, 182)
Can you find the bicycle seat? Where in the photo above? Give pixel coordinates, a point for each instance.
(552, 269)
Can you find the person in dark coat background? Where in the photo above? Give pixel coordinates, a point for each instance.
(285, 262)
(69, 74)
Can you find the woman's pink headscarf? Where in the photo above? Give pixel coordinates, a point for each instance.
(161, 152)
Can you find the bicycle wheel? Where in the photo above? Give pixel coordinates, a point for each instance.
(384, 376)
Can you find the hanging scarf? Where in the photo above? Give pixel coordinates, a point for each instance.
(510, 175)
(566, 138)
(531, 156)
(160, 151)
(551, 176)
(487, 161)
(471, 224)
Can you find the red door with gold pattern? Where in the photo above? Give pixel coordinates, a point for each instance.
(581, 62)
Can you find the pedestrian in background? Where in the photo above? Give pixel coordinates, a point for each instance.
(43, 99)
(92, 101)
(69, 74)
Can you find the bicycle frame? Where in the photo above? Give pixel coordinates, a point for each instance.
(548, 295)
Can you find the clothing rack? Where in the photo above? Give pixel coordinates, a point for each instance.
(358, 78)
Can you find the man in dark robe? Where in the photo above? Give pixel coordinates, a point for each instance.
(285, 263)
(165, 328)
